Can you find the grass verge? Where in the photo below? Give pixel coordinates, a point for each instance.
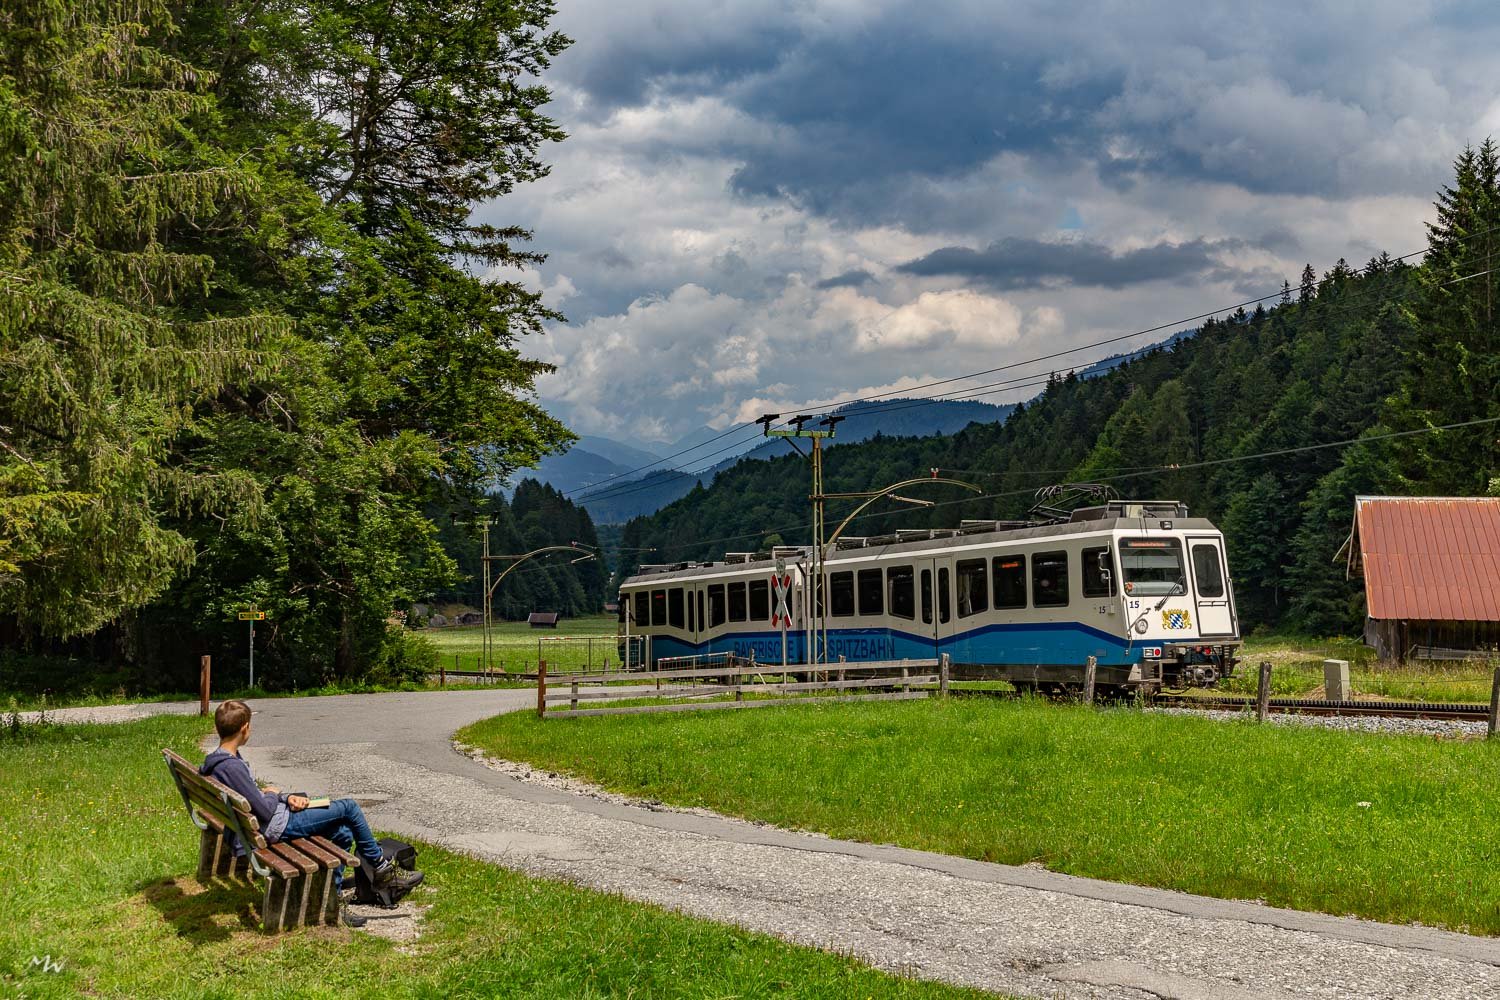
(96, 859)
(1297, 671)
(1391, 828)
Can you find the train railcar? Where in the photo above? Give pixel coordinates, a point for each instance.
(1138, 585)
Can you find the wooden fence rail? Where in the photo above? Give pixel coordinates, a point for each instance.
(889, 680)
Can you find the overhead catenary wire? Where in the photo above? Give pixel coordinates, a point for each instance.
(989, 371)
(1145, 471)
(1028, 381)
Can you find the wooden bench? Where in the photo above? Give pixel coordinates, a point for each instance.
(298, 874)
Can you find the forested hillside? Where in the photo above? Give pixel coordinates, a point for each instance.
(537, 515)
(1242, 421)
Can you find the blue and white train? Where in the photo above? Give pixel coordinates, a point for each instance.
(1139, 585)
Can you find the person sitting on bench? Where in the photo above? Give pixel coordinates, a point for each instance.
(286, 816)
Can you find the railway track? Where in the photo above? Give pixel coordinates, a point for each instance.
(1316, 706)
(1447, 711)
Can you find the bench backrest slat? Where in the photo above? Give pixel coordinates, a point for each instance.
(207, 797)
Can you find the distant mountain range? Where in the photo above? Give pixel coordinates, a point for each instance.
(607, 477)
(618, 481)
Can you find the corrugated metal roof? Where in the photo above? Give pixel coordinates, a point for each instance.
(1430, 558)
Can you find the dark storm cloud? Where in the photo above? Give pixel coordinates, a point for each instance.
(849, 279)
(1014, 263)
(874, 108)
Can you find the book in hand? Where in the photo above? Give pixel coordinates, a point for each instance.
(322, 803)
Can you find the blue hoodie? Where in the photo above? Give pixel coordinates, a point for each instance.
(269, 808)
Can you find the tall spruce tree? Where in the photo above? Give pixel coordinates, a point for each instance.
(110, 331)
(383, 124)
(1452, 360)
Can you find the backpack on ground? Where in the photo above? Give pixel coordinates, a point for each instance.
(399, 853)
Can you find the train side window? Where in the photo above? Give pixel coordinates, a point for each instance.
(642, 609)
(674, 608)
(622, 606)
(1207, 575)
(1098, 578)
(691, 627)
(760, 600)
(945, 601)
(715, 605)
(1010, 581)
(901, 593)
(841, 595)
(1049, 579)
(871, 592)
(973, 587)
(658, 607)
(736, 602)
(702, 618)
(927, 597)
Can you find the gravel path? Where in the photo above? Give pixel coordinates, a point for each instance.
(1019, 930)
(1450, 728)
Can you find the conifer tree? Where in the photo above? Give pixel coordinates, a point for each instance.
(107, 335)
(1452, 359)
(1309, 285)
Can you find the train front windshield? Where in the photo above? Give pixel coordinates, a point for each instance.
(1152, 567)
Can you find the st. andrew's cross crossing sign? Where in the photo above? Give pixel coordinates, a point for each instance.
(781, 589)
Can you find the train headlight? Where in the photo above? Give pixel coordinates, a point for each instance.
(1141, 626)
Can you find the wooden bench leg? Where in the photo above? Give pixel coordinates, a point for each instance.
(210, 846)
(226, 864)
(273, 907)
(313, 895)
(303, 889)
(330, 899)
(323, 900)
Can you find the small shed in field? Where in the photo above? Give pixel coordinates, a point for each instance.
(1431, 568)
(543, 619)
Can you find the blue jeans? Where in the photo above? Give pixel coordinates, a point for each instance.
(342, 822)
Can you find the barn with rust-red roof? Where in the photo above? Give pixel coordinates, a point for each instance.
(1431, 568)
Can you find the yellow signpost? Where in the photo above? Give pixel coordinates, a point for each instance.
(252, 615)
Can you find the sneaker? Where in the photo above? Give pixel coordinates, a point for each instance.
(349, 918)
(388, 876)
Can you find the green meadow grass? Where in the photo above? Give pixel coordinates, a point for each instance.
(96, 862)
(517, 644)
(1391, 828)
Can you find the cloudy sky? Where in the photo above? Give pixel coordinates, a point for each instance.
(767, 204)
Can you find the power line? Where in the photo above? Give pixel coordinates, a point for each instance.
(601, 494)
(1143, 471)
(970, 393)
